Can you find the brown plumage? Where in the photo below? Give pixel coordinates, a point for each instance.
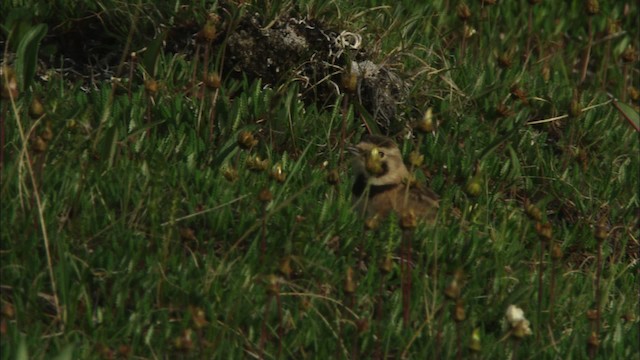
(382, 182)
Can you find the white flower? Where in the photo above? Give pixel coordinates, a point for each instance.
(519, 324)
(514, 315)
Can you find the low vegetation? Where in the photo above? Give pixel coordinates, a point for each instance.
(165, 194)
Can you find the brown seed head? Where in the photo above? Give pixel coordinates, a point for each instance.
(246, 140)
(594, 341)
(212, 81)
(503, 110)
(47, 132)
(426, 125)
(333, 177)
(463, 11)
(349, 81)
(504, 60)
(613, 27)
(546, 72)
(9, 84)
(209, 31)
(198, 316)
(408, 221)
(475, 345)
(544, 231)
(592, 7)
(349, 282)
(452, 291)
(386, 266)
(629, 54)
(459, 313)
(602, 230)
(230, 173)
(151, 86)
(519, 94)
(277, 174)
(36, 110)
(39, 145)
(532, 210)
(556, 252)
(265, 195)
(273, 284)
(372, 223)
(255, 163)
(592, 314)
(415, 159)
(285, 266)
(633, 92)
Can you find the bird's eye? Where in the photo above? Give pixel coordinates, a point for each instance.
(381, 154)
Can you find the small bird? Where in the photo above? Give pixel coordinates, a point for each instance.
(383, 183)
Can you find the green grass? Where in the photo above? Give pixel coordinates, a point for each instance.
(125, 237)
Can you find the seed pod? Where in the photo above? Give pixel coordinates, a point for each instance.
(463, 11)
(426, 125)
(265, 195)
(277, 174)
(349, 81)
(629, 54)
(575, 108)
(36, 110)
(408, 221)
(594, 341)
(246, 140)
(47, 132)
(362, 325)
(386, 266)
(255, 163)
(459, 313)
(613, 27)
(592, 7)
(602, 230)
(634, 93)
(522, 329)
(532, 210)
(349, 283)
(475, 344)
(212, 81)
(544, 231)
(198, 316)
(230, 173)
(592, 314)
(209, 31)
(556, 252)
(474, 186)
(285, 266)
(452, 291)
(9, 84)
(415, 159)
(39, 144)
(273, 284)
(333, 177)
(546, 72)
(504, 111)
(151, 86)
(504, 60)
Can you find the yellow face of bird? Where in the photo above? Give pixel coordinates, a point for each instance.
(379, 160)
